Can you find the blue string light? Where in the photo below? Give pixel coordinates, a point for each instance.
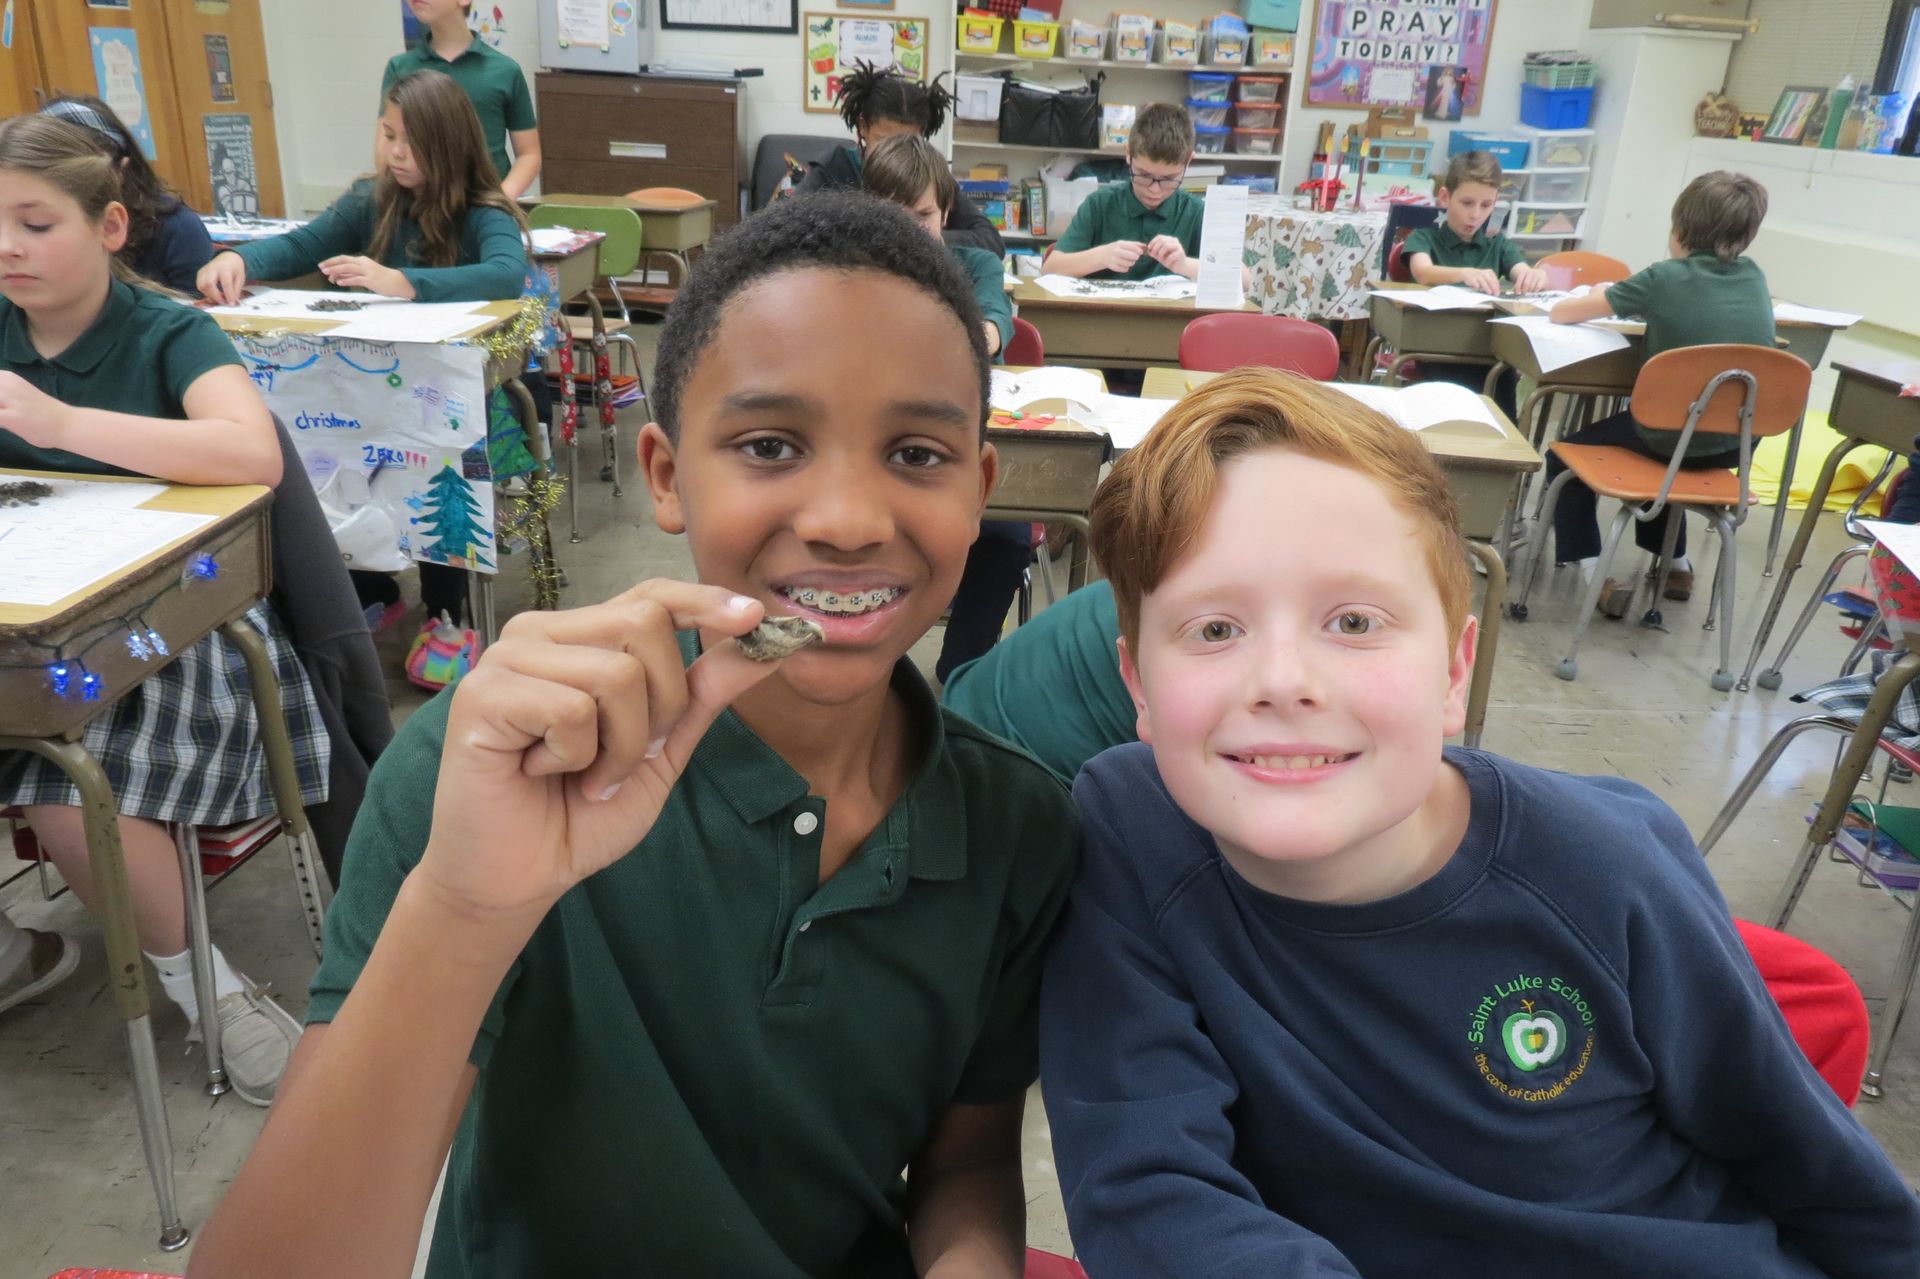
(138, 646)
(154, 642)
(90, 687)
(204, 567)
(62, 678)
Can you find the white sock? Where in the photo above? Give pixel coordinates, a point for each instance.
(16, 947)
(1681, 564)
(176, 978)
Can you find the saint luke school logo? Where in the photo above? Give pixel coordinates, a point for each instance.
(1532, 1037)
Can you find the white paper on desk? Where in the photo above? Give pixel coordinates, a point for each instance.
(297, 304)
(1223, 245)
(1126, 419)
(1054, 382)
(549, 239)
(1424, 405)
(1798, 314)
(1162, 287)
(92, 495)
(1445, 297)
(50, 551)
(1556, 346)
(414, 322)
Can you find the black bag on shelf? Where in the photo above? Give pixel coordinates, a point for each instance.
(1036, 117)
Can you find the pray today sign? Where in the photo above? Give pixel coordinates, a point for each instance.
(1378, 52)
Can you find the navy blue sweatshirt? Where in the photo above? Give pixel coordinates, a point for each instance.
(1552, 1058)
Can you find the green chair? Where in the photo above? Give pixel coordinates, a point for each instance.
(619, 256)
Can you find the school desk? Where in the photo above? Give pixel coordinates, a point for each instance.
(201, 582)
(1114, 333)
(1867, 409)
(1484, 474)
(671, 228)
(1311, 265)
(1048, 473)
(572, 267)
(276, 350)
(1417, 335)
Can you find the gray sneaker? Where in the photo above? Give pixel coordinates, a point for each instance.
(52, 960)
(256, 1039)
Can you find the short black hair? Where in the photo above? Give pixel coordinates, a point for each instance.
(829, 230)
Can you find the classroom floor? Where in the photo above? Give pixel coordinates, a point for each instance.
(73, 1186)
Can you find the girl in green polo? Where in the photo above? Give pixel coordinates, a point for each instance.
(103, 375)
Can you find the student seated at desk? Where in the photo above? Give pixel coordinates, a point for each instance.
(1706, 292)
(907, 170)
(102, 374)
(685, 956)
(433, 226)
(878, 105)
(1145, 226)
(166, 241)
(1331, 999)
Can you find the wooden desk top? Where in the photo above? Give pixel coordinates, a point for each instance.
(618, 202)
(1462, 444)
(495, 313)
(1028, 294)
(219, 501)
(1890, 374)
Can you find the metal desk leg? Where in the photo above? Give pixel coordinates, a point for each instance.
(115, 905)
(480, 604)
(1491, 610)
(1841, 785)
(282, 775)
(1899, 995)
(1796, 554)
(603, 396)
(1780, 499)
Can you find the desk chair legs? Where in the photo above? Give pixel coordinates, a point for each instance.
(1781, 498)
(1569, 667)
(186, 843)
(1770, 677)
(1796, 554)
(107, 858)
(1491, 608)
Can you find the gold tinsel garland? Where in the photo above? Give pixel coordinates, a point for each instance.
(524, 515)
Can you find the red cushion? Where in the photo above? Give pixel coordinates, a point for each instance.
(1822, 1006)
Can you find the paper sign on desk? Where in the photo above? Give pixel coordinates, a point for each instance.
(1223, 244)
(414, 322)
(1558, 345)
(1793, 312)
(1161, 287)
(1446, 297)
(65, 543)
(1424, 405)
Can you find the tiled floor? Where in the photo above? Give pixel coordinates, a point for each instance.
(73, 1188)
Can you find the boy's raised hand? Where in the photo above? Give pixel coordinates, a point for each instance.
(565, 740)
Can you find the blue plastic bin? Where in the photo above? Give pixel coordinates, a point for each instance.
(1556, 108)
(1510, 152)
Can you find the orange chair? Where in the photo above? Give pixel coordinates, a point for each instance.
(1576, 267)
(1026, 350)
(1748, 392)
(1231, 340)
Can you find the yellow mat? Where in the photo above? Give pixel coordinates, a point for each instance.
(1816, 441)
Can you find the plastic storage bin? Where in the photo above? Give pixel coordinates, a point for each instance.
(1179, 44)
(1255, 141)
(1556, 186)
(1271, 49)
(1132, 38)
(1257, 115)
(1260, 88)
(1208, 140)
(1209, 86)
(1225, 49)
(1035, 39)
(1556, 108)
(1560, 75)
(1085, 41)
(1513, 184)
(1210, 115)
(1510, 152)
(1547, 221)
(977, 35)
(977, 97)
(1560, 149)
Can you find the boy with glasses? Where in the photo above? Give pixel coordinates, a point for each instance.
(1147, 225)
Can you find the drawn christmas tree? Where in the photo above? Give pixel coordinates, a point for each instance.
(453, 520)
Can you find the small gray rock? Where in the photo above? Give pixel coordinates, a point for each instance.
(778, 637)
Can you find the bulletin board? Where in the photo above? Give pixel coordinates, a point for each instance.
(837, 42)
(1377, 53)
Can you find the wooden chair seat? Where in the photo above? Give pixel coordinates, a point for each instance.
(1627, 476)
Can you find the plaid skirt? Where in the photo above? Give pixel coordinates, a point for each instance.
(185, 746)
(1847, 697)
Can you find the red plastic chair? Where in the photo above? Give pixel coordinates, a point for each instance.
(1398, 270)
(1026, 350)
(1822, 1006)
(1217, 343)
(1046, 1265)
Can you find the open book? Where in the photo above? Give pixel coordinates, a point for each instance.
(1427, 405)
(1054, 382)
(1125, 419)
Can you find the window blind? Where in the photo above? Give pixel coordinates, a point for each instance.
(1806, 44)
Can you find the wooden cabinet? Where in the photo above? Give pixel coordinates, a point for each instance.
(608, 135)
(1667, 13)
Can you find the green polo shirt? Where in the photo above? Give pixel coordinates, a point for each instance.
(492, 80)
(1696, 301)
(1053, 687)
(706, 1062)
(1114, 212)
(989, 288)
(492, 262)
(1484, 252)
(139, 356)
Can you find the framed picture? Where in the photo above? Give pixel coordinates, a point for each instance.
(1788, 123)
(1445, 92)
(730, 15)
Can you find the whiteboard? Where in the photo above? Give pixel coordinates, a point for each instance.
(730, 15)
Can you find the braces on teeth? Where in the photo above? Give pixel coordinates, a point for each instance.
(850, 602)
